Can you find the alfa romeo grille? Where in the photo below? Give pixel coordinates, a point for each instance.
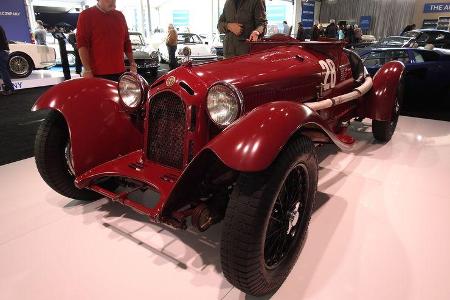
(167, 129)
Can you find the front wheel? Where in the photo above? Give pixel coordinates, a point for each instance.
(53, 158)
(267, 218)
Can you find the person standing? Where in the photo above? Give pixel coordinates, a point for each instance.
(358, 34)
(286, 28)
(241, 21)
(102, 39)
(72, 39)
(315, 32)
(171, 43)
(40, 34)
(341, 34)
(300, 32)
(331, 30)
(8, 87)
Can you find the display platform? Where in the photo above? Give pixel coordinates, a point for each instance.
(39, 78)
(381, 232)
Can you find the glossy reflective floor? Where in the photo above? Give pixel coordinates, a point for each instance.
(382, 231)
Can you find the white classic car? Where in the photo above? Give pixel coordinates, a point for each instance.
(218, 44)
(25, 57)
(198, 49)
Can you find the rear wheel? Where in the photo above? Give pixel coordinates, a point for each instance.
(267, 218)
(53, 158)
(20, 65)
(383, 130)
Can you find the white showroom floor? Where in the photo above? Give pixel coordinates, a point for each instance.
(382, 232)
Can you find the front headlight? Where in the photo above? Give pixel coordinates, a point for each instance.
(132, 91)
(224, 103)
(213, 50)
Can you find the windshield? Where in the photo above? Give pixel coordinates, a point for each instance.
(186, 38)
(136, 39)
(411, 34)
(394, 40)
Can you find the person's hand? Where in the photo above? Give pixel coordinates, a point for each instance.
(235, 28)
(87, 74)
(254, 36)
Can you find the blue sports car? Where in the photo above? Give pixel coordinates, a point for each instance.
(427, 77)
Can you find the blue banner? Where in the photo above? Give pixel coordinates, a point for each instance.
(14, 20)
(308, 14)
(436, 7)
(365, 22)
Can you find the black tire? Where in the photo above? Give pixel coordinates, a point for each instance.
(161, 59)
(255, 211)
(52, 139)
(384, 130)
(20, 65)
(154, 72)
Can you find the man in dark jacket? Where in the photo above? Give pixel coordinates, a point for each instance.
(332, 29)
(300, 32)
(315, 32)
(241, 21)
(8, 87)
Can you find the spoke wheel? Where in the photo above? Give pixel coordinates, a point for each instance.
(53, 157)
(267, 218)
(384, 130)
(19, 66)
(282, 231)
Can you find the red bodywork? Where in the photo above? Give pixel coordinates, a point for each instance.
(275, 79)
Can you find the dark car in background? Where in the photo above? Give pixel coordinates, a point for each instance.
(146, 57)
(427, 80)
(438, 38)
(393, 42)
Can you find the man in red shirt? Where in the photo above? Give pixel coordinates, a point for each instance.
(102, 39)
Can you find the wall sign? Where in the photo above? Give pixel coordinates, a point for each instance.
(365, 22)
(436, 7)
(308, 14)
(14, 20)
(180, 18)
(276, 13)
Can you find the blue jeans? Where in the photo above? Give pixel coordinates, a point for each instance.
(4, 72)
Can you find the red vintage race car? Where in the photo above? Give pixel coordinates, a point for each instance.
(232, 140)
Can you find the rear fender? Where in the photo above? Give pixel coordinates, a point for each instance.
(100, 130)
(379, 101)
(254, 141)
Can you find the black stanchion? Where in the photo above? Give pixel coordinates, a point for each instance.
(63, 52)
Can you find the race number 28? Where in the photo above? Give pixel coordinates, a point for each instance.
(329, 68)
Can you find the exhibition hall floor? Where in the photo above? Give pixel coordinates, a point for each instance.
(381, 231)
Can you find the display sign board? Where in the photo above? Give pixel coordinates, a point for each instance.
(436, 7)
(14, 20)
(308, 14)
(276, 13)
(180, 18)
(365, 22)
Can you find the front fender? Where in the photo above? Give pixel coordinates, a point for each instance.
(99, 128)
(379, 101)
(253, 142)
